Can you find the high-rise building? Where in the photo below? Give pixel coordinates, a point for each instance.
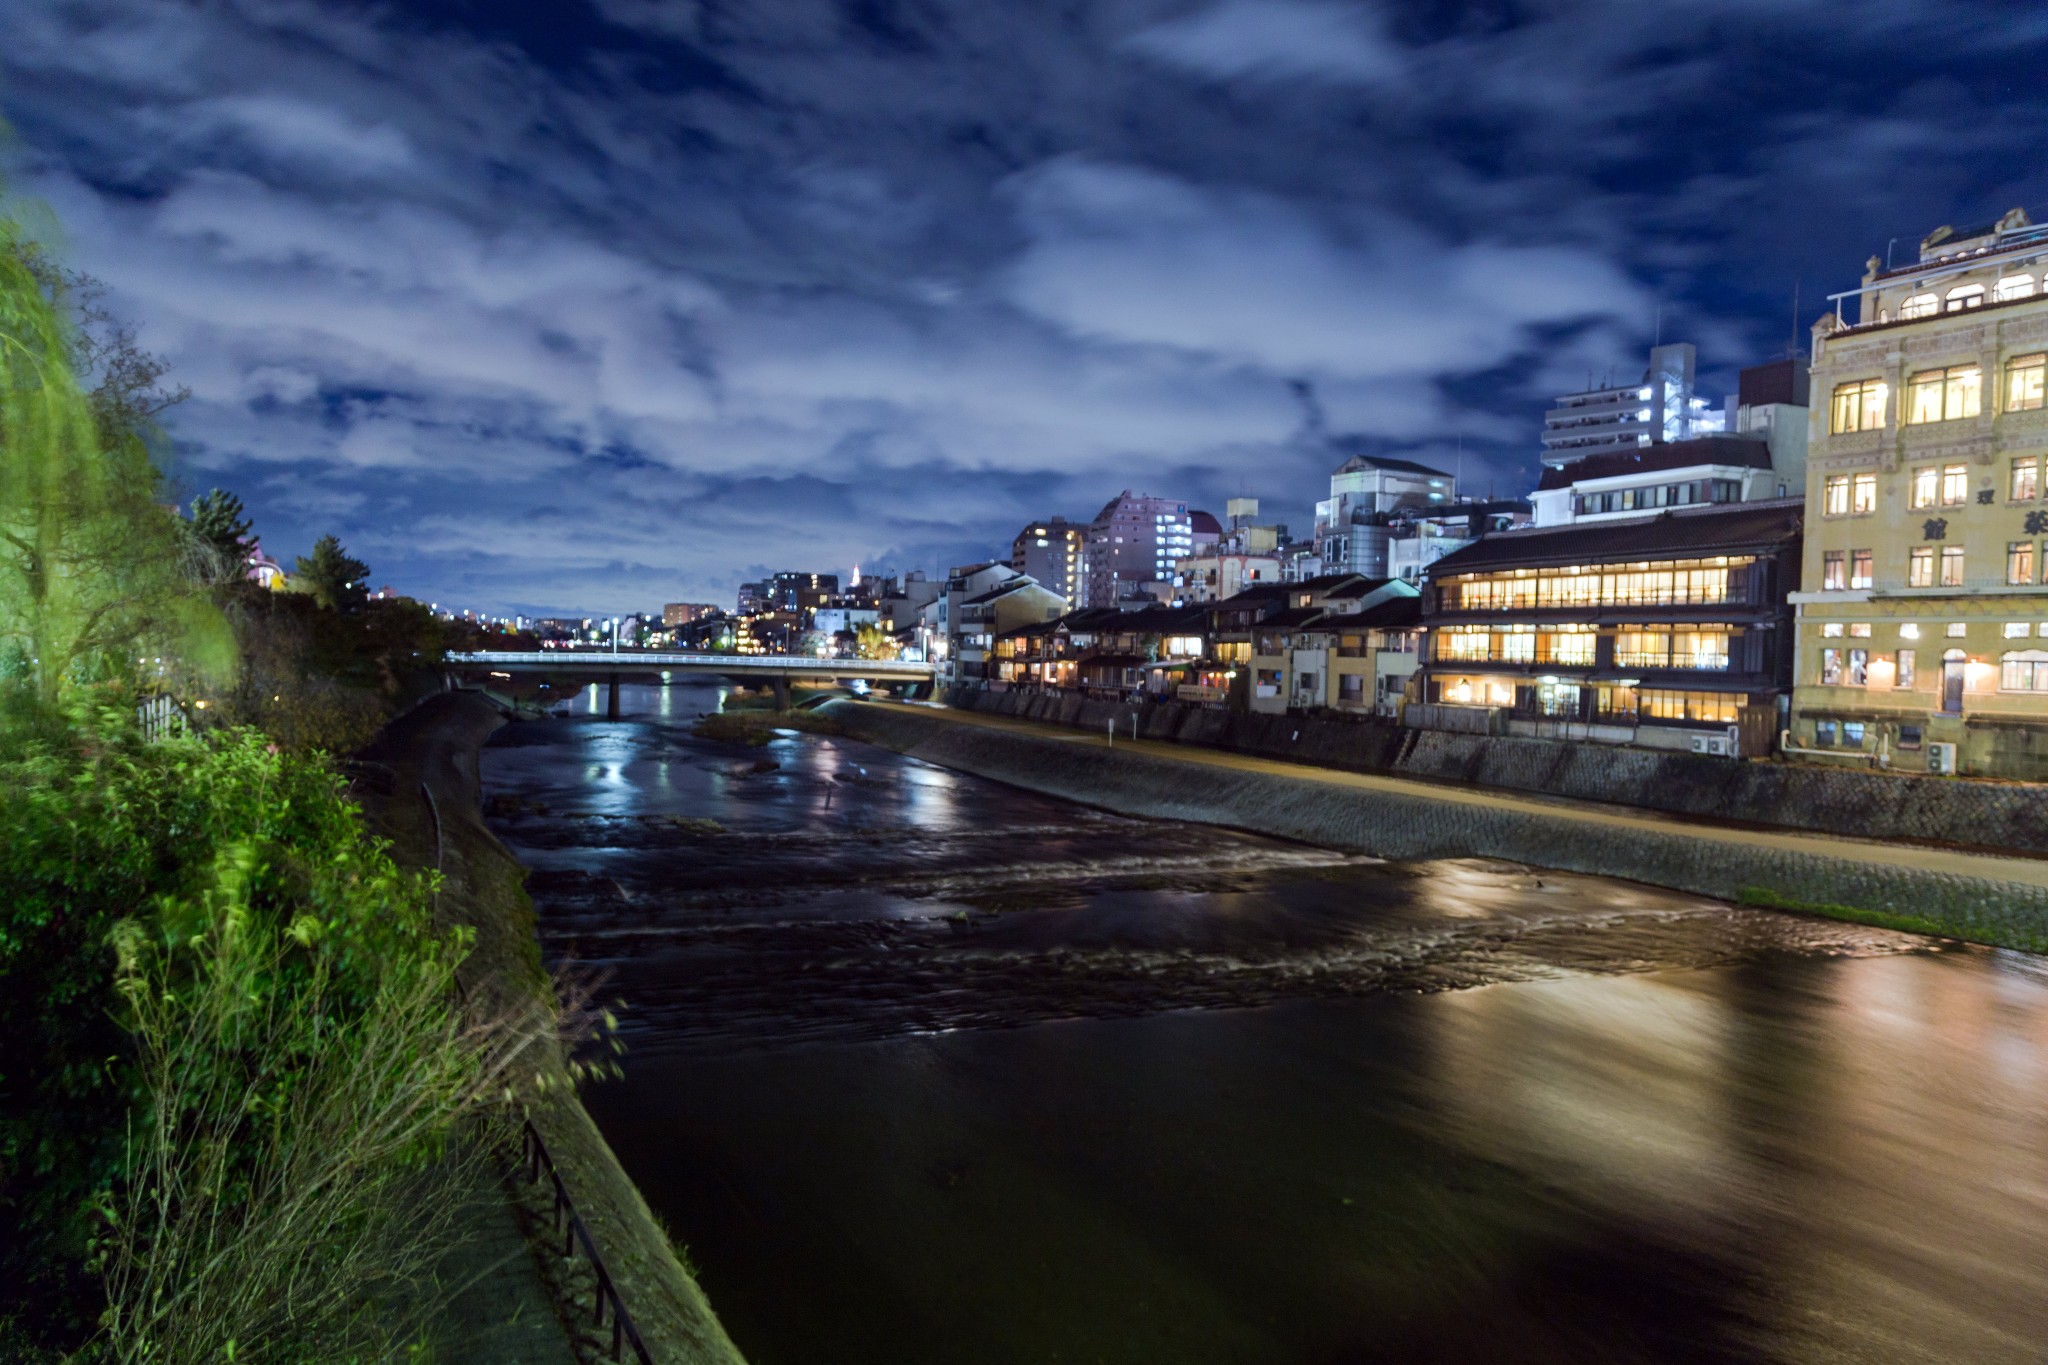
(801, 592)
(1923, 611)
(682, 613)
(1366, 492)
(1055, 552)
(1133, 545)
(1661, 406)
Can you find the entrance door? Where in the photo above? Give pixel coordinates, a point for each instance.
(1952, 681)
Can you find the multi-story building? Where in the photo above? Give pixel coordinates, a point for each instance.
(802, 592)
(1302, 658)
(1418, 539)
(980, 602)
(1055, 552)
(1923, 615)
(1671, 631)
(1133, 544)
(1661, 407)
(1366, 493)
(1762, 455)
(682, 613)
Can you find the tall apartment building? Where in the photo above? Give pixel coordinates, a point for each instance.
(1133, 544)
(1660, 407)
(1055, 552)
(1923, 615)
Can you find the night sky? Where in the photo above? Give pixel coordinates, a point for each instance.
(589, 306)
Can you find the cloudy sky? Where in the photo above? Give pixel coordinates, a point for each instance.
(591, 304)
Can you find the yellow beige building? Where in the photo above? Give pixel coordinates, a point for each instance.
(1923, 615)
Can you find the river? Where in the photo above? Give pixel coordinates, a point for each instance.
(929, 1070)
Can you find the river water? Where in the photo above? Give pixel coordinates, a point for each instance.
(927, 1069)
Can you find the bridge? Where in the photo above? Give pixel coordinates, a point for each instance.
(612, 666)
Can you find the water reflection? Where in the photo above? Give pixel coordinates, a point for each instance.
(931, 1070)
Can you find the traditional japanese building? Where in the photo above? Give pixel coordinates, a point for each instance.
(1671, 631)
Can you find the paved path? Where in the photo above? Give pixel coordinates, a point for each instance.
(1954, 862)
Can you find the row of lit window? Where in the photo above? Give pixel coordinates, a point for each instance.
(1665, 584)
(1852, 569)
(2018, 671)
(1654, 646)
(1964, 297)
(1943, 395)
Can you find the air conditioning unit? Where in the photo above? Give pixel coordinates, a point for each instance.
(1941, 758)
(1720, 745)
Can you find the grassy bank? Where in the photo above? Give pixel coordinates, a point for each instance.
(756, 727)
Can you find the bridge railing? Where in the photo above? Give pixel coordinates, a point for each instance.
(728, 663)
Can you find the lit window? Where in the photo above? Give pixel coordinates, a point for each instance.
(1964, 296)
(2023, 382)
(1858, 406)
(1905, 666)
(1919, 306)
(1835, 496)
(1833, 571)
(2024, 671)
(1863, 494)
(1926, 481)
(1956, 630)
(1859, 630)
(2019, 564)
(1830, 667)
(2014, 287)
(2018, 630)
(1831, 630)
(2026, 479)
(1859, 668)
(1955, 485)
(1859, 568)
(1952, 566)
(1945, 395)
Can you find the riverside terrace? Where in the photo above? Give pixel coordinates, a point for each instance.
(775, 669)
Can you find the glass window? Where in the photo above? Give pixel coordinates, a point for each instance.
(1945, 395)
(2014, 287)
(1863, 494)
(1909, 736)
(1926, 484)
(2019, 562)
(1952, 566)
(1643, 647)
(1905, 669)
(1833, 571)
(2026, 479)
(2025, 671)
(1859, 630)
(1831, 630)
(1852, 734)
(1858, 406)
(1955, 485)
(2018, 630)
(1965, 296)
(1859, 668)
(1826, 732)
(1910, 630)
(1830, 667)
(1920, 567)
(1835, 496)
(2024, 376)
(1919, 306)
(1859, 568)
(1956, 630)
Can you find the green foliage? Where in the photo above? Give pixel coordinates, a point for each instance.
(233, 1053)
(333, 576)
(221, 530)
(873, 641)
(94, 572)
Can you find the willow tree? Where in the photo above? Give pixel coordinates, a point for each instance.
(95, 572)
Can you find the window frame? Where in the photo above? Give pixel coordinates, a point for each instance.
(1834, 496)
(1862, 565)
(2026, 382)
(2019, 563)
(2026, 474)
(1858, 405)
(1834, 570)
(1951, 557)
(1920, 567)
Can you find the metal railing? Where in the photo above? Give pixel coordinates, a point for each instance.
(568, 1224)
(726, 663)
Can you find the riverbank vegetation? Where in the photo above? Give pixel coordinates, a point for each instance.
(237, 1076)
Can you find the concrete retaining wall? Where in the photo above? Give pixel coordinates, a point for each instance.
(1420, 826)
(1827, 800)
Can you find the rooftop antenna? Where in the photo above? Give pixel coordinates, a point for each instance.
(1794, 352)
(1660, 326)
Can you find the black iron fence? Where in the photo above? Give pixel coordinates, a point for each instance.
(567, 1224)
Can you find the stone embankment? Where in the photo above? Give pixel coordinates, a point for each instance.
(1987, 899)
(433, 750)
(1828, 799)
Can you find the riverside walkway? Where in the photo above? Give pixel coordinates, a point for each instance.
(1606, 820)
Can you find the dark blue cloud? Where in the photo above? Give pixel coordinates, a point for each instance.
(587, 305)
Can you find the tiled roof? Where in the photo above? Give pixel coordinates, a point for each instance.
(1396, 613)
(1743, 452)
(1726, 528)
(1361, 588)
(1003, 589)
(1291, 619)
(1359, 459)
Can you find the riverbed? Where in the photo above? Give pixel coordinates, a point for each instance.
(927, 1069)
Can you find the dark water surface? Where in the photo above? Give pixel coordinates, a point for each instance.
(926, 1069)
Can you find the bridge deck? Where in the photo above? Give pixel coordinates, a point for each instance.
(641, 660)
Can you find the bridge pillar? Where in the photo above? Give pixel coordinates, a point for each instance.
(611, 701)
(782, 694)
